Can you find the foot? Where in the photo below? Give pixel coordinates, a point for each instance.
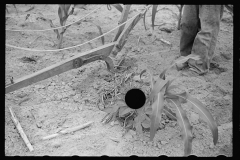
(197, 66)
(181, 66)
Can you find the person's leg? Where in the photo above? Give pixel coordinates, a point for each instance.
(189, 28)
(205, 41)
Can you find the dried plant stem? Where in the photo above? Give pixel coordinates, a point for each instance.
(68, 130)
(20, 130)
(138, 40)
(127, 118)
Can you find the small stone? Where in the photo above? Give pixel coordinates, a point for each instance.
(101, 106)
(51, 88)
(80, 108)
(173, 123)
(128, 136)
(161, 126)
(137, 78)
(190, 90)
(149, 34)
(114, 139)
(226, 55)
(37, 86)
(21, 95)
(227, 97)
(164, 142)
(116, 123)
(58, 96)
(163, 122)
(112, 123)
(159, 145)
(56, 144)
(65, 99)
(53, 84)
(96, 86)
(76, 98)
(155, 144)
(42, 87)
(63, 83)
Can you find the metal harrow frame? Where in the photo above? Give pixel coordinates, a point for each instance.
(103, 52)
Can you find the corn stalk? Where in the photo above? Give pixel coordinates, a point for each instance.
(161, 91)
(63, 15)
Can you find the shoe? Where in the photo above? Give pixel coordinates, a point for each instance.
(181, 66)
(197, 66)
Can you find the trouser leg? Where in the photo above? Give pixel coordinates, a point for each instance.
(205, 41)
(189, 28)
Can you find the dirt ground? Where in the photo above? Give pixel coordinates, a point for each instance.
(71, 99)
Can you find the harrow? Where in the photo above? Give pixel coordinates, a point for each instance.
(104, 52)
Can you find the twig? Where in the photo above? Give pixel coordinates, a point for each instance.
(68, 130)
(128, 76)
(138, 40)
(24, 100)
(164, 41)
(20, 130)
(103, 99)
(127, 118)
(114, 139)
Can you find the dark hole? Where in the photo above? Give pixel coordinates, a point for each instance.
(135, 98)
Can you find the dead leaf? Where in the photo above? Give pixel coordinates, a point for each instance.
(125, 111)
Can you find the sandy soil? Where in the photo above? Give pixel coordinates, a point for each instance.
(70, 99)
